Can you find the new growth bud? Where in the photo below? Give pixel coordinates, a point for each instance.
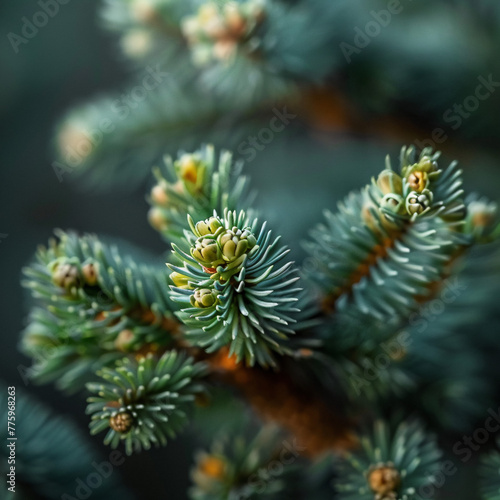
(122, 422)
(208, 226)
(384, 480)
(204, 298)
(389, 182)
(179, 280)
(207, 252)
(418, 202)
(190, 170)
(235, 242)
(221, 249)
(418, 180)
(66, 275)
(393, 202)
(89, 272)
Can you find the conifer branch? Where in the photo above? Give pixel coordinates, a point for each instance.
(392, 238)
(94, 306)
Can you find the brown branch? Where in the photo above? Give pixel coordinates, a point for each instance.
(328, 109)
(274, 396)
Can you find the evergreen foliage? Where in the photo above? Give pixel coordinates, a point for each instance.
(93, 304)
(143, 403)
(226, 284)
(386, 325)
(390, 248)
(236, 467)
(237, 58)
(195, 184)
(393, 464)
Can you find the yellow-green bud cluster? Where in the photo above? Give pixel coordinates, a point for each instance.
(217, 29)
(70, 274)
(235, 242)
(416, 202)
(209, 226)
(190, 169)
(410, 193)
(66, 275)
(221, 249)
(207, 252)
(204, 297)
(482, 220)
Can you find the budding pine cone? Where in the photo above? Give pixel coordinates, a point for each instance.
(418, 202)
(89, 272)
(384, 480)
(66, 275)
(226, 288)
(220, 249)
(411, 193)
(122, 422)
(204, 298)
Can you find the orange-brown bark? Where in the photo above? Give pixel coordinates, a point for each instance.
(275, 397)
